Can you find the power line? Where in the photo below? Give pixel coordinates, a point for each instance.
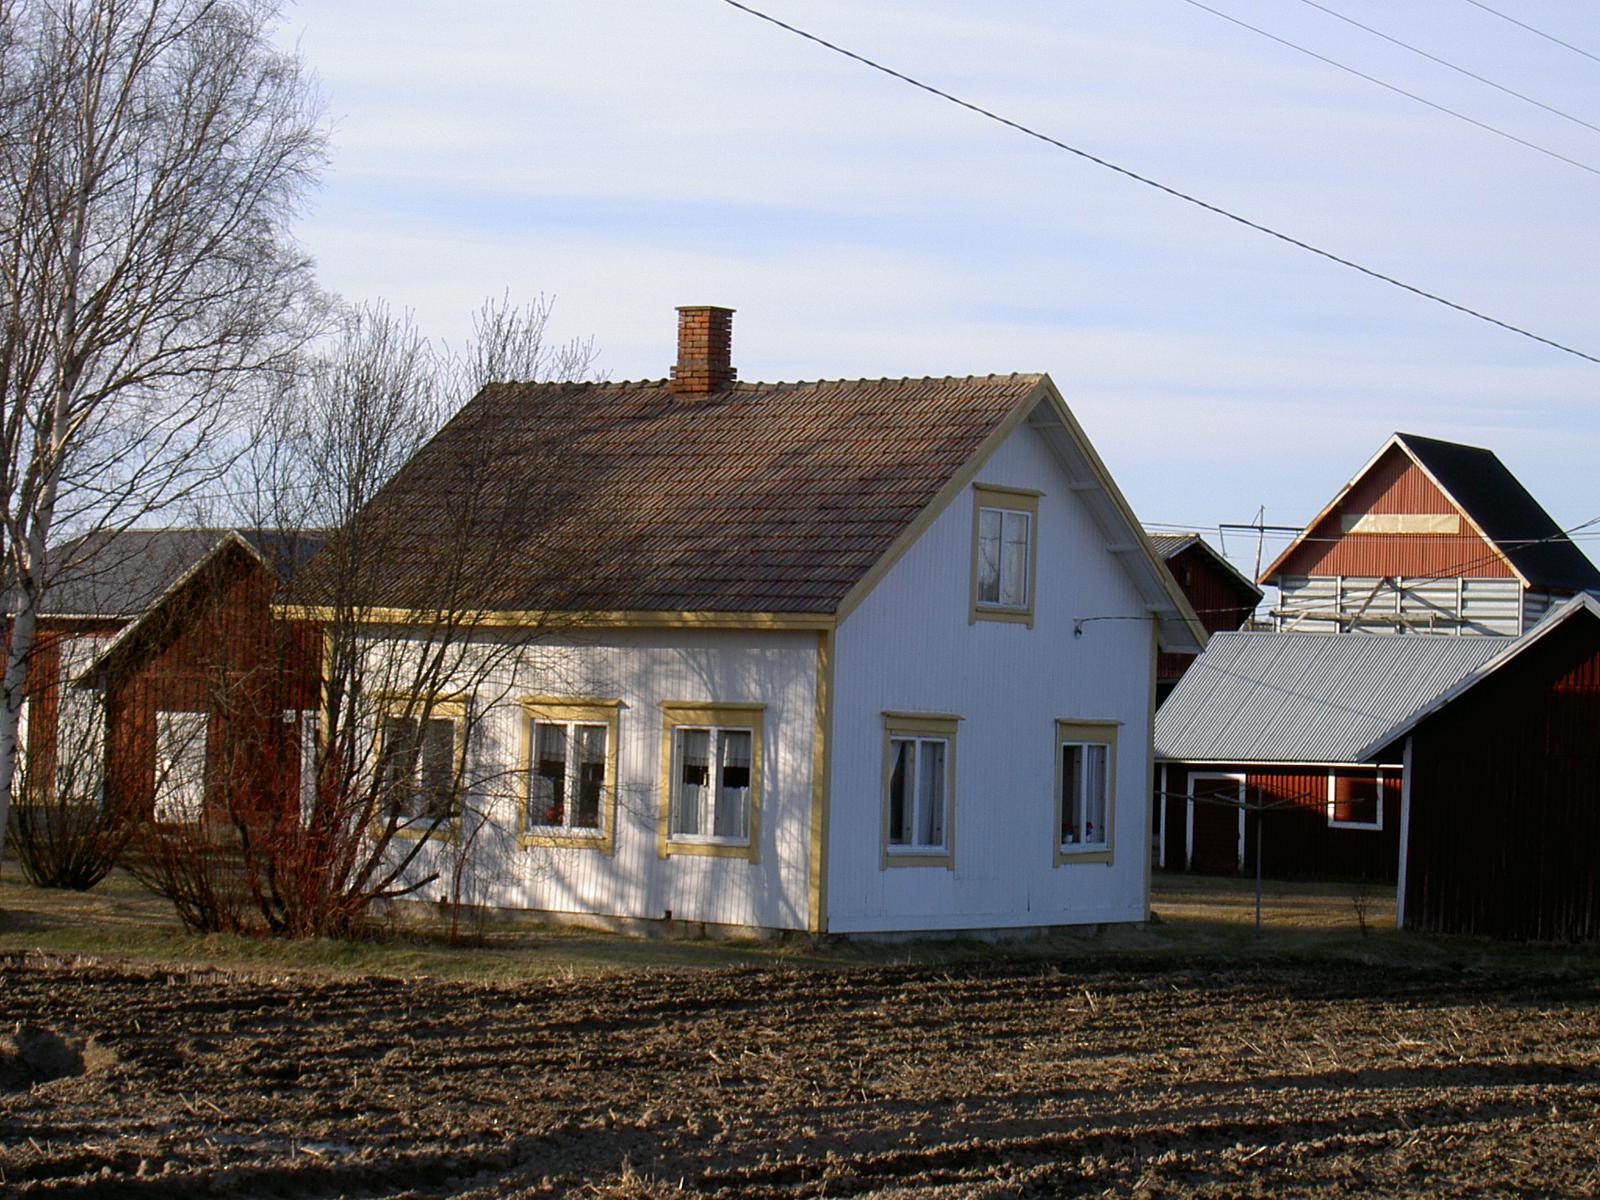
(1399, 91)
(1541, 33)
(1434, 58)
(1161, 187)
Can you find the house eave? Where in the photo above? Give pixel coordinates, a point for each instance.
(555, 621)
(1290, 763)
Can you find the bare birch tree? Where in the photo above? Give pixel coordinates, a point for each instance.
(151, 155)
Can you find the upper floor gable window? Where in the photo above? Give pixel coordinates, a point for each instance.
(1004, 553)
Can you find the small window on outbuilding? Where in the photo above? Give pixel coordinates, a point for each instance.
(1355, 801)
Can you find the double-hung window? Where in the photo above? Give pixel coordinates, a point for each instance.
(1086, 753)
(570, 772)
(419, 762)
(919, 789)
(711, 785)
(1004, 553)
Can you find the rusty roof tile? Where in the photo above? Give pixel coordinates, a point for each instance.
(622, 497)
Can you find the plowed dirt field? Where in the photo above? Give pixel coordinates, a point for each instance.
(1006, 1079)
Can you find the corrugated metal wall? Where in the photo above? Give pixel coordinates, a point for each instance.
(1373, 604)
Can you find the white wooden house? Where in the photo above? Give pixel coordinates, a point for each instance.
(857, 657)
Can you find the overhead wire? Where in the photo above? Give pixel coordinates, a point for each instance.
(1493, 552)
(1443, 62)
(1218, 210)
(1399, 91)
(1531, 29)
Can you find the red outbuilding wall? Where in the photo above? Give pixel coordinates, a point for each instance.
(1504, 837)
(1298, 841)
(215, 648)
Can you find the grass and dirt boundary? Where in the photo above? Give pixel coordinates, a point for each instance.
(1192, 916)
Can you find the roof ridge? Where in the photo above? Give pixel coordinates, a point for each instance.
(751, 384)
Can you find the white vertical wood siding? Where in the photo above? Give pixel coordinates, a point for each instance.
(643, 669)
(910, 647)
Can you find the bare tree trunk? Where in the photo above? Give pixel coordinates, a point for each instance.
(151, 154)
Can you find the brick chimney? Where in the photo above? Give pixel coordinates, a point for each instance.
(705, 350)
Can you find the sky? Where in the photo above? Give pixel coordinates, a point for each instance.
(623, 157)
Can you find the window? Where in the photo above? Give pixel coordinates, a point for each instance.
(306, 723)
(1355, 801)
(180, 766)
(711, 784)
(570, 772)
(918, 789)
(419, 758)
(1086, 753)
(1004, 552)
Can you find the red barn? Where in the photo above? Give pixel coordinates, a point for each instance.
(1221, 597)
(1429, 536)
(1500, 816)
(161, 648)
(1281, 723)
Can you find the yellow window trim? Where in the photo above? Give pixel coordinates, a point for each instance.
(419, 704)
(1081, 731)
(918, 724)
(676, 714)
(589, 712)
(821, 772)
(1026, 500)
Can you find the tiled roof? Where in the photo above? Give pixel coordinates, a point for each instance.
(1509, 516)
(1263, 697)
(771, 498)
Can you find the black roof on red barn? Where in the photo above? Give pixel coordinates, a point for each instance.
(1492, 499)
(1497, 503)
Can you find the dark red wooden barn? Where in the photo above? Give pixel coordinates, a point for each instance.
(201, 700)
(1430, 536)
(1221, 597)
(1500, 821)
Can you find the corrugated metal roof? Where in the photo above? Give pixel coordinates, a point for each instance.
(1307, 697)
(1498, 503)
